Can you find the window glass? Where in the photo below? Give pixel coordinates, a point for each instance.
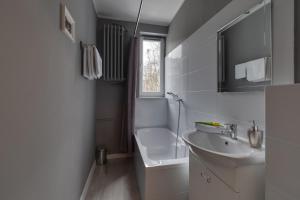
(151, 66)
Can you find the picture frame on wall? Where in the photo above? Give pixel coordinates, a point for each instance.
(67, 23)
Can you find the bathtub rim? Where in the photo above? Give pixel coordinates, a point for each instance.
(170, 163)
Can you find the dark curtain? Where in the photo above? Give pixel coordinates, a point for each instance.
(129, 107)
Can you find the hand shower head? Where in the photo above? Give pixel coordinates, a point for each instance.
(175, 96)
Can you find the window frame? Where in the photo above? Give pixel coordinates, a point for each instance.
(162, 68)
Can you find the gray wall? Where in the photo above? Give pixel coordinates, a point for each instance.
(283, 142)
(47, 114)
(191, 71)
(191, 15)
(111, 95)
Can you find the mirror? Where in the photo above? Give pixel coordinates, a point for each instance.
(245, 51)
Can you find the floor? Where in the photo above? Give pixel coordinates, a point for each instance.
(114, 181)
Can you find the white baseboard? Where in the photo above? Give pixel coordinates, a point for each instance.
(88, 182)
(118, 155)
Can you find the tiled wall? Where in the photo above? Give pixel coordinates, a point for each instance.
(151, 112)
(191, 71)
(283, 142)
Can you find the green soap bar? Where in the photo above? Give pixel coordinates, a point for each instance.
(209, 123)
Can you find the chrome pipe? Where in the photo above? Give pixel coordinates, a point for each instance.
(138, 18)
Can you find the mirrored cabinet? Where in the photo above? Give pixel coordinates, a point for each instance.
(245, 51)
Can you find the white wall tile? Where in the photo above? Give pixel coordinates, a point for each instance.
(242, 106)
(178, 84)
(198, 74)
(202, 101)
(203, 80)
(193, 75)
(172, 115)
(151, 113)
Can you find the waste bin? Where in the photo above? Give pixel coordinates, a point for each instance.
(101, 155)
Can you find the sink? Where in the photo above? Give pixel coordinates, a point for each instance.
(232, 162)
(223, 149)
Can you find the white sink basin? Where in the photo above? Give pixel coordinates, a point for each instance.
(223, 148)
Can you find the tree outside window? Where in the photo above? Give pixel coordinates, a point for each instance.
(151, 66)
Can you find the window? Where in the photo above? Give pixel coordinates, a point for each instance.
(152, 67)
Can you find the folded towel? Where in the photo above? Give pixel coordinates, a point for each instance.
(85, 63)
(89, 65)
(257, 70)
(92, 63)
(97, 63)
(240, 71)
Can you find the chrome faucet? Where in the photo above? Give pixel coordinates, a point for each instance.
(231, 131)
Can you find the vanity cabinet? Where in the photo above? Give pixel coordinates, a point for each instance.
(204, 185)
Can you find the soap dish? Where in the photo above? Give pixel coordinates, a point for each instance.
(208, 128)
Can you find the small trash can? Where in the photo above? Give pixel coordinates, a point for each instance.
(101, 155)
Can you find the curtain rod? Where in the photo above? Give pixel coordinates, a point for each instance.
(138, 18)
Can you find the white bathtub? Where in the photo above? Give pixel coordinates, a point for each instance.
(161, 175)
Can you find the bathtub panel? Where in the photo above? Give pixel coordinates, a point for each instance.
(159, 175)
(167, 183)
(140, 171)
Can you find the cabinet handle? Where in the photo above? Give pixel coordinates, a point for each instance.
(203, 175)
(207, 178)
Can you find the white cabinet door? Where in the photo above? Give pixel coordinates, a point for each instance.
(204, 185)
(216, 189)
(198, 185)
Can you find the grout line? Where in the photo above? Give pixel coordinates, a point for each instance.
(177, 75)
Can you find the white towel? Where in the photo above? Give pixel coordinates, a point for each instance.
(89, 69)
(240, 71)
(92, 62)
(85, 63)
(97, 63)
(257, 70)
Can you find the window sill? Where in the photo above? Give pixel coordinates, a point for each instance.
(152, 98)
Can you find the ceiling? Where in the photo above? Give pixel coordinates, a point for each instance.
(158, 12)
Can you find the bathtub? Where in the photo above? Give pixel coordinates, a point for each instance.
(162, 172)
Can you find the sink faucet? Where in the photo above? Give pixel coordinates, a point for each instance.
(231, 131)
